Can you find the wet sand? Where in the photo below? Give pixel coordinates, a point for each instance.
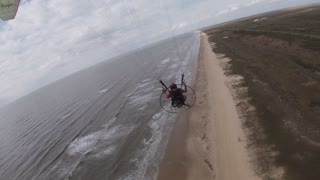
(208, 141)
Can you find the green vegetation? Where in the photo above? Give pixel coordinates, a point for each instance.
(278, 56)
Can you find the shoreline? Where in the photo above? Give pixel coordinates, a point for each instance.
(205, 140)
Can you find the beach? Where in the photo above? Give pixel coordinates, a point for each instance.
(208, 141)
(275, 57)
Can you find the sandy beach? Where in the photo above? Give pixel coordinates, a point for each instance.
(208, 141)
(279, 87)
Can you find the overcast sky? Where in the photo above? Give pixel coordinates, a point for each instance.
(50, 39)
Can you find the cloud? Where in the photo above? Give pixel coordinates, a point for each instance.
(51, 39)
(252, 2)
(255, 2)
(229, 9)
(60, 36)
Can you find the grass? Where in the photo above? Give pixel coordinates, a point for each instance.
(279, 67)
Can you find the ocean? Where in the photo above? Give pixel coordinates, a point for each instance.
(103, 122)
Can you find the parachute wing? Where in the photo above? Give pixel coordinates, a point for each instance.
(8, 9)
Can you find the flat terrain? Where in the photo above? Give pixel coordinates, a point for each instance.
(278, 56)
(208, 141)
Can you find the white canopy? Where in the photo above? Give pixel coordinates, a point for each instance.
(8, 9)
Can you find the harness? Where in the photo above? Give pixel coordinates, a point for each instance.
(177, 98)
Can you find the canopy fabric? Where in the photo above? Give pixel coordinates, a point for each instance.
(8, 9)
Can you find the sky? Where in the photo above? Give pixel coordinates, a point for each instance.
(51, 39)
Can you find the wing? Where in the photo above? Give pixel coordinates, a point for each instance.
(8, 9)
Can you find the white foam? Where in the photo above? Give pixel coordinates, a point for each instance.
(176, 59)
(140, 99)
(109, 122)
(165, 61)
(146, 87)
(114, 133)
(149, 141)
(83, 144)
(65, 116)
(86, 143)
(146, 80)
(257, 20)
(147, 153)
(103, 90)
(156, 116)
(155, 125)
(107, 152)
(173, 66)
